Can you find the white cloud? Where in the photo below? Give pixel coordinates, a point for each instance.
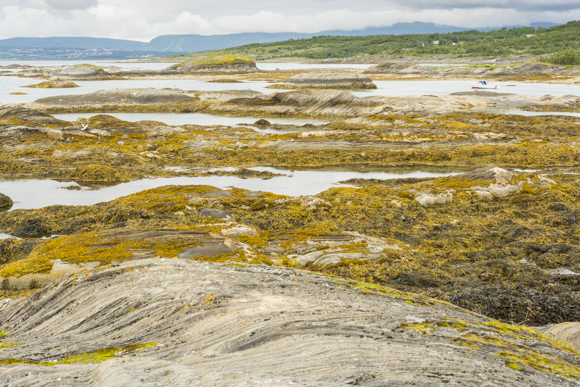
(71, 4)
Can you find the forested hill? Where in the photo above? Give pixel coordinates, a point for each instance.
(472, 43)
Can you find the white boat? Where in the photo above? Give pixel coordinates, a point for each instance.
(484, 85)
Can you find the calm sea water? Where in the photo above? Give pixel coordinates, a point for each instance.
(29, 194)
(205, 120)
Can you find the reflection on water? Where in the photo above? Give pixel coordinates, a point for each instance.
(28, 194)
(203, 119)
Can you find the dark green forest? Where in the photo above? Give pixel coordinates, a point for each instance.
(563, 40)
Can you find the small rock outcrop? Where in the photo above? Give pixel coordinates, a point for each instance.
(386, 68)
(325, 81)
(214, 64)
(5, 201)
(53, 85)
(81, 71)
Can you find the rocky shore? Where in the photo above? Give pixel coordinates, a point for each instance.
(200, 285)
(185, 322)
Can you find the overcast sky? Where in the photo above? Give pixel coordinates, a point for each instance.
(146, 19)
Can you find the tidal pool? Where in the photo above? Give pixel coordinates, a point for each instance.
(203, 119)
(28, 194)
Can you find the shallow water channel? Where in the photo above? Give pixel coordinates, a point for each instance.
(205, 120)
(28, 194)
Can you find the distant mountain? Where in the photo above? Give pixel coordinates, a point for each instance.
(78, 47)
(71, 42)
(196, 43)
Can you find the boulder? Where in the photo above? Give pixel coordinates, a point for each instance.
(428, 200)
(5, 201)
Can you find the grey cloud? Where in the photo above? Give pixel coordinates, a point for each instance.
(71, 4)
(519, 5)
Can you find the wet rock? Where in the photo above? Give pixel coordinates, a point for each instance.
(32, 228)
(262, 122)
(5, 201)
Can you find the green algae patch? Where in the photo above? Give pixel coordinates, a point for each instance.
(542, 363)
(53, 85)
(97, 173)
(32, 265)
(220, 61)
(110, 246)
(8, 344)
(93, 357)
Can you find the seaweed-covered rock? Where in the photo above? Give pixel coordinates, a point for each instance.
(5, 201)
(54, 85)
(97, 173)
(33, 228)
(215, 64)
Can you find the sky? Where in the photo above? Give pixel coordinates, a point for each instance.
(145, 19)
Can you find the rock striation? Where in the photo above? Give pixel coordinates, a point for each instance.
(181, 322)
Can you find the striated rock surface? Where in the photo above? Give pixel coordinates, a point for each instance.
(568, 332)
(325, 81)
(180, 322)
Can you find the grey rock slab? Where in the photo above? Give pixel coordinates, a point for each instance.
(218, 325)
